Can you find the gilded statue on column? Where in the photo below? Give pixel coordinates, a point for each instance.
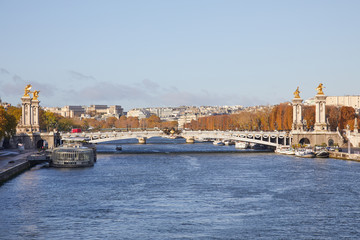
(297, 93)
(320, 89)
(27, 90)
(36, 95)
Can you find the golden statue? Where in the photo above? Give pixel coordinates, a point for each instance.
(27, 90)
(36, 95)
(296, 93)
(320, 89)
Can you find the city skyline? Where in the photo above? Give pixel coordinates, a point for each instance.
(196, 53)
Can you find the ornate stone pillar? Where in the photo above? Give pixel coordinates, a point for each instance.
(35, 113)
(320, 119)
(297, 112)
(26, 111)
(356, 130)
(29, 121)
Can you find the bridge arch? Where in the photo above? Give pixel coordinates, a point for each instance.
(304, 141)
(40, 143)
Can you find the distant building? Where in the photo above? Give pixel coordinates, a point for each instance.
(183, 114)
(72, 111)
(67, 111)
(87, 112)
(4, 104)
(348, 101)
(97, 109)
(187, 118)
(339, 101)
(310, 101)
(139, 113)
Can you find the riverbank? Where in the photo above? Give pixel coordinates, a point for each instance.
(345, 156)
(12, 163)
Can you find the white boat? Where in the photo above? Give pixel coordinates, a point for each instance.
(305, 153)
(229, 142)
(218, 143)
(241, 145)
(322, 154)
(285, 150)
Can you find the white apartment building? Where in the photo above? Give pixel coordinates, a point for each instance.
(349, 101)
(67, 111)
(139, 113)
(82, 111)
(187, 118)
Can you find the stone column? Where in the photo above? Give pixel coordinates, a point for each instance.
(35, 113)
(356, 130)
(26, 110)
(320, 119)
(30, 115)
(297, 114)
(22, 121)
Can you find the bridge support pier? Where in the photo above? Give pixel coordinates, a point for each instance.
(190, 140)
(142, 140)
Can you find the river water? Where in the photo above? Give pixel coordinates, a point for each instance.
(166, 193)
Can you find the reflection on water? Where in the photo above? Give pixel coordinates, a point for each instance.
(185, 196)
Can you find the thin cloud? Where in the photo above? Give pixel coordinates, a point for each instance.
(17, 78)
(148, 84)
(4, 71)
(15, 85)
(106, 92)
(80, 76)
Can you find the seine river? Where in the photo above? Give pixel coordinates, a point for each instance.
(165, 192)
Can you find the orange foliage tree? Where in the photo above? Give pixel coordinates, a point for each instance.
(347, 116)
(246, 120)
(309, 116)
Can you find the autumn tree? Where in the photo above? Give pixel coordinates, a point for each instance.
(333, 116)
(169, 125)
(8, 124)
(122, 122)
(133, 122)
(110, 122)
(309, 116)
(153, 121)
(258, 120)
(347, 116)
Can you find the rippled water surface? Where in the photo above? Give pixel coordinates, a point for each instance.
(186, 196)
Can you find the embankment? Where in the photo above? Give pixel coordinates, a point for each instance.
(345, 156)
(13, 170)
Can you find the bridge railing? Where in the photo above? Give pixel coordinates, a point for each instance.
(267, 138)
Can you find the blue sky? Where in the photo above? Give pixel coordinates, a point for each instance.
(145, 53)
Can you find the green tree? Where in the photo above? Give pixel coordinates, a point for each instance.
(65, 124)
(47, 120)
(15, 111)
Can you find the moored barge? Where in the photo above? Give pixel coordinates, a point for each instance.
(73, 154)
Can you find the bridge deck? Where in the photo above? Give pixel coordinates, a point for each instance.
(266, 138)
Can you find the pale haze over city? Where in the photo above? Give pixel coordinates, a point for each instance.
(172, 53)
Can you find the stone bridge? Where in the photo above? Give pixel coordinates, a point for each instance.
(273, 139)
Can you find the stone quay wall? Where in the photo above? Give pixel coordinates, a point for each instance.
(13, 171)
